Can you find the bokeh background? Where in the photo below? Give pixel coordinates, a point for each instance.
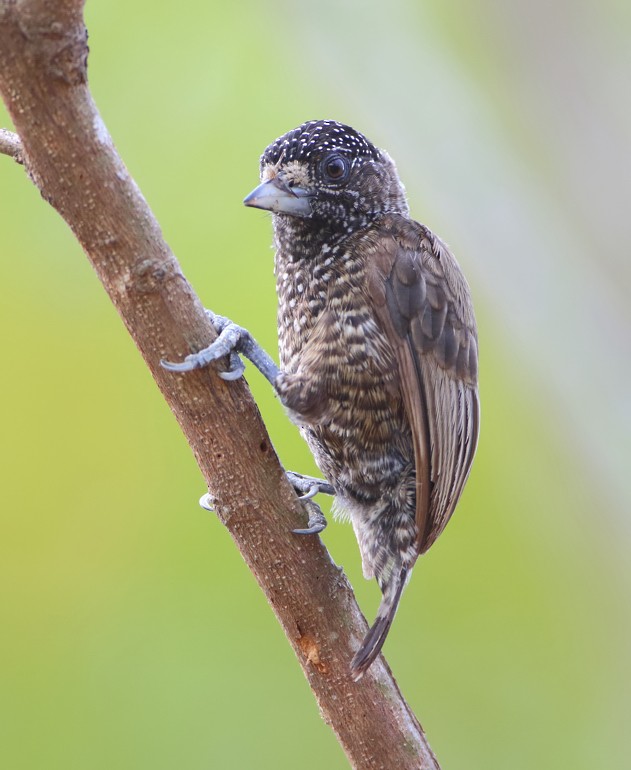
(126, 614)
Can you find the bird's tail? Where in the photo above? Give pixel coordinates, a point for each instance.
(372, 644)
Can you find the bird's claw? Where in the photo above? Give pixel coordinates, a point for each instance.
(229, 341)
(315, 530)
(313, 491)
(237, 367)
(317, 521)
(207, 502)
(187, 365)
(308, 486)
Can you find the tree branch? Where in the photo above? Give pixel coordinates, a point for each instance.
(69, 155)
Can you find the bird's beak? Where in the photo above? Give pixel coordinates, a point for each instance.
(277, 196)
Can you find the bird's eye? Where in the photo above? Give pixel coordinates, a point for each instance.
(336, 168)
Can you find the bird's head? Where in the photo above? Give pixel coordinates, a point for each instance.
(329, 176)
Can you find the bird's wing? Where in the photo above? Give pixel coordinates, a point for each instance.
(423, 304)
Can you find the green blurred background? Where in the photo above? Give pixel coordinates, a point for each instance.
(126, 614)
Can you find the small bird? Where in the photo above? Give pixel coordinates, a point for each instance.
(378, 348)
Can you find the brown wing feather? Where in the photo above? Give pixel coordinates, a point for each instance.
(422, 301)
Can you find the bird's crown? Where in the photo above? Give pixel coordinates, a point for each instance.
(316, 138)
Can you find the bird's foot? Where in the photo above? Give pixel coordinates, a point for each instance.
(231, 340)
(316, 519)
(307, 488)
(316, 522)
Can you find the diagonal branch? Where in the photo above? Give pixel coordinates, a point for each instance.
(69, 155)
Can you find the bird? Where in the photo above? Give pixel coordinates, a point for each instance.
(378, 349)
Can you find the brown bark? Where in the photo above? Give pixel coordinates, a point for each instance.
(70, 157)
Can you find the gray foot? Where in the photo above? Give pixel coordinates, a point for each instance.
(317, 520)
(308, 487)
(207, 502)
(231, 341)
(316, 523)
